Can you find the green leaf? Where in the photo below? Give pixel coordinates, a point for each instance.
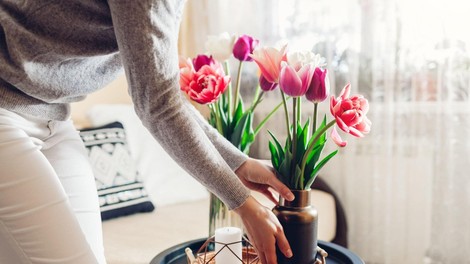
(248, 135)
(224, 119)
(238, 114)
(313, 158)
(322, 125)
(236, 137)
(284, 169)
(320, 165)
(301, 141)
(314, 155)
(296, 178)
(274, 156)
(280, 149)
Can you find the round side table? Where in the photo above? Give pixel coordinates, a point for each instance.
(176, 254)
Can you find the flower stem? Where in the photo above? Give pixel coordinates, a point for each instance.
(294, 135)
(310, 148)
(257, 98)
(229, 90)
(286, 115)
(299, 110)
(315, 110)
(237, 88)
(261, 124)
(218, 121)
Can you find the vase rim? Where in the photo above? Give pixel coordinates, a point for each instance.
(302, 199)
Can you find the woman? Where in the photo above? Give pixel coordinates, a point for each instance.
(54, 52)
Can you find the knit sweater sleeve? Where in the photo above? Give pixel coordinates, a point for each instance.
(147, 33)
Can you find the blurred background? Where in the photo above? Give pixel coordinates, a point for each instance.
(406, 186)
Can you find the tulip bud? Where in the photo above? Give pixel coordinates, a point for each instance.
(295, 83)
(220, 46)
(244, 47)
(202, 60)
(266, 85)
(297, 59)
(319, 87)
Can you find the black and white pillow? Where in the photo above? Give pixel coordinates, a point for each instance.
(120, 190)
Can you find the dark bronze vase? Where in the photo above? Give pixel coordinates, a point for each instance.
(299, 220)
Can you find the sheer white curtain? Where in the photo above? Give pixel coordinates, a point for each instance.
(406, 186)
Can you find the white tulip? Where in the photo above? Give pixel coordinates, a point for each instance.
(297, 59)
(221, 46)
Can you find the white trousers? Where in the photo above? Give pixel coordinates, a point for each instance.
(49, 209)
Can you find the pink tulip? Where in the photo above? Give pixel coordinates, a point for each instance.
(185, 63)
(205, 85)
(350, 113)
(295, 83)
(186, 72)
(269, 61)
(337, 138)
(202, 60)
(244, 47)
(319, 87)
(265, 85)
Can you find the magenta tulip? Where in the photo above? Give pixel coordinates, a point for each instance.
(244, 47)
(295, 83)
(350, 113)
(202, 60)
(265, 85)
(319, 87)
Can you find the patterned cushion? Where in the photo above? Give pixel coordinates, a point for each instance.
(120, 190)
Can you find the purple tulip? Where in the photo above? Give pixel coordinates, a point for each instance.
(295, 83)
(319, 87)
(266, 85)
(244, 47)
(202, 60)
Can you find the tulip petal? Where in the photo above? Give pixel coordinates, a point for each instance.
(289, 81)
(306, 73)
(364, 126)
(353, 131)
(341, 124)
(265, 85)
(337, 138)
(333, 102)
(350, 118)
(345, 92)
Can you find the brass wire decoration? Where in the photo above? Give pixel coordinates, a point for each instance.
(249, 256)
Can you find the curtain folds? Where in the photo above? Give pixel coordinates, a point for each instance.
(405, 186)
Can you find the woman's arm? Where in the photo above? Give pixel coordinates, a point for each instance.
(146, 31)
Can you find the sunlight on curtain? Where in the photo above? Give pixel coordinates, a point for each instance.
(405, 186)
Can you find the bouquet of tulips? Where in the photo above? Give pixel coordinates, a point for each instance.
(301, 74)
(206, 80)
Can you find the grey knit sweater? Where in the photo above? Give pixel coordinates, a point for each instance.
(54, 52)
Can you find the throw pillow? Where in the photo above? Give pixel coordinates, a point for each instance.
(166, 182)
(120, 190)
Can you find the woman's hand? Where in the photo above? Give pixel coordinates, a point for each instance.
(258, 176)
(264, 231)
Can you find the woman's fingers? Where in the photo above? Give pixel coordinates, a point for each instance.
(283, 244)
(266, 192)
(264, 231)
(282, 189)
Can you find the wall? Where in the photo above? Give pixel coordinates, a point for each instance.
(114, 93)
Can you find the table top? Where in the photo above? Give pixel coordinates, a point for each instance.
(176, 255)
